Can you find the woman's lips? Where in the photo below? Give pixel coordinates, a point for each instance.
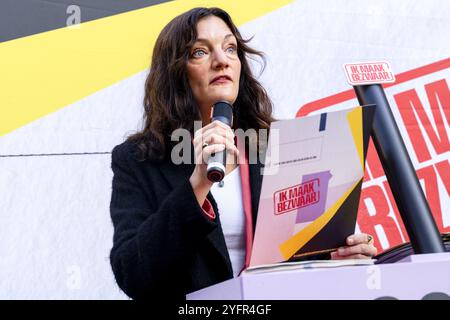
(221, 79)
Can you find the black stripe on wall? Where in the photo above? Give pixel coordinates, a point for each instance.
(20, 18)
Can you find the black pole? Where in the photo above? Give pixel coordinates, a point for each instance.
(400, 173)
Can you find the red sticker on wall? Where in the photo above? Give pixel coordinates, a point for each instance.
(369, 73)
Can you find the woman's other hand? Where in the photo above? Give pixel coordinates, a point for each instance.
(359, 246)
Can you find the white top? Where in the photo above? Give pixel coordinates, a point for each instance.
(231, 209)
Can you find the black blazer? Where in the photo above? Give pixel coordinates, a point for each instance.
(164, 246)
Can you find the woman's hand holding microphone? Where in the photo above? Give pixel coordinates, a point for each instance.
(212, 138)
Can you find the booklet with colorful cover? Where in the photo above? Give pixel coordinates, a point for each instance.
(311, 187)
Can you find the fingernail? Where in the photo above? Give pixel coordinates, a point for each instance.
(350, 240)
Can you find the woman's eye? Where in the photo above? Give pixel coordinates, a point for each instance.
(231, 49)
(198, 53)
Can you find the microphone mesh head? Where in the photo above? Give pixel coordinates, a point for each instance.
(223, 109)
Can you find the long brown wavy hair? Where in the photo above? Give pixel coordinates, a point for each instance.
(169, 102)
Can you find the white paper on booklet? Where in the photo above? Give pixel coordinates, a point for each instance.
(313, 264)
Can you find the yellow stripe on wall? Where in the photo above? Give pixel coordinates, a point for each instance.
(42, 73)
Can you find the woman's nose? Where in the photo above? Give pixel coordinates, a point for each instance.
(220, 60)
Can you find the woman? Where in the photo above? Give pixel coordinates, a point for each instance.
(168, 238)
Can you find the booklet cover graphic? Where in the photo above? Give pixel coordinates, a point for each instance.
(311, 184)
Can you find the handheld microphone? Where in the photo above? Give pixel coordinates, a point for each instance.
(223, 112)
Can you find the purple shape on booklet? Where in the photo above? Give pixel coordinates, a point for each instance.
(313, 211)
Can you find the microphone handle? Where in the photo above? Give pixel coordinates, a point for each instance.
(216, 166)
(217, 161)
